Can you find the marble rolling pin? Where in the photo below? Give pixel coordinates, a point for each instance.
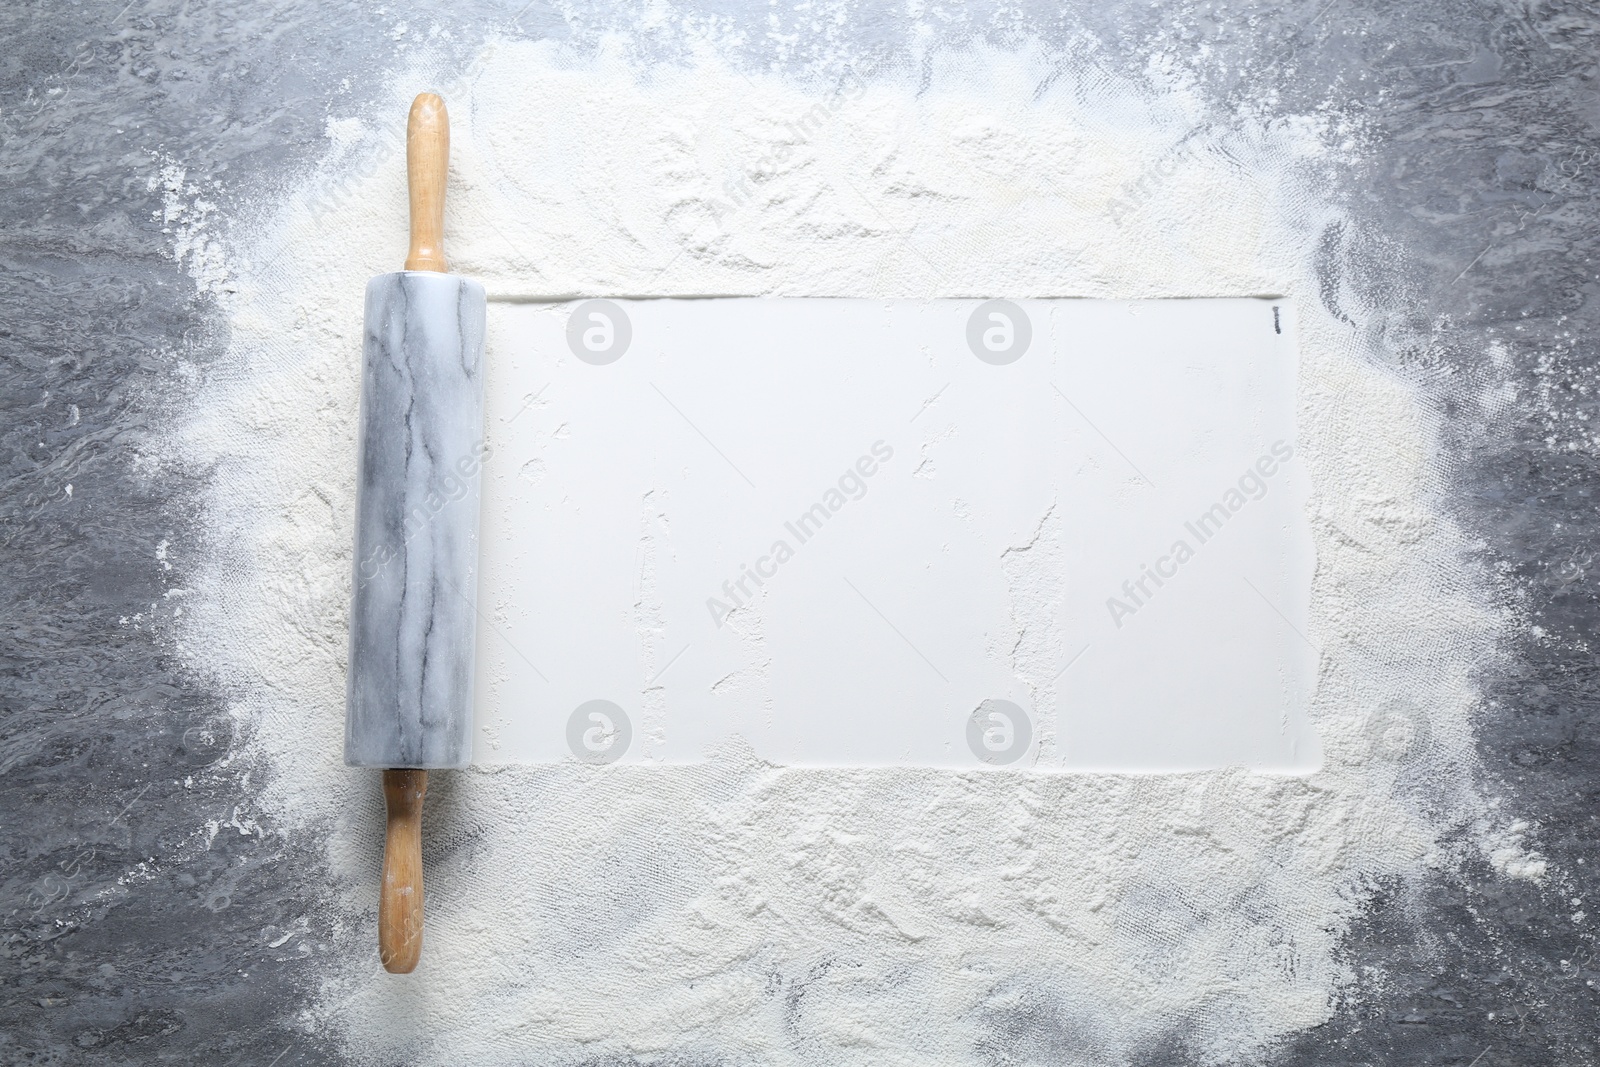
(409, 698)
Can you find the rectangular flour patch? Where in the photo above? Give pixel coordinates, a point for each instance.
(1049, 534)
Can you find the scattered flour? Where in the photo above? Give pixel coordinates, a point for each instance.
(187, 216)
(743, 913)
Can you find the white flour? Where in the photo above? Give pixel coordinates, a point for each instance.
(744, 913)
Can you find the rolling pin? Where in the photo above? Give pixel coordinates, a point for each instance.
(414, 608)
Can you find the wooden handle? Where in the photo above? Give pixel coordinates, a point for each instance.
(427, 168)
(400, 902)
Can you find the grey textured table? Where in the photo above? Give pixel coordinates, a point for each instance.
(1486, 177)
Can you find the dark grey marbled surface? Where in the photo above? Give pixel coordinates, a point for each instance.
(129, 939)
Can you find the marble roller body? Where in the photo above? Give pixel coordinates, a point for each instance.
(414, 609)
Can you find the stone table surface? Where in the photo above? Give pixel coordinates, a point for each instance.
(1485, 176)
